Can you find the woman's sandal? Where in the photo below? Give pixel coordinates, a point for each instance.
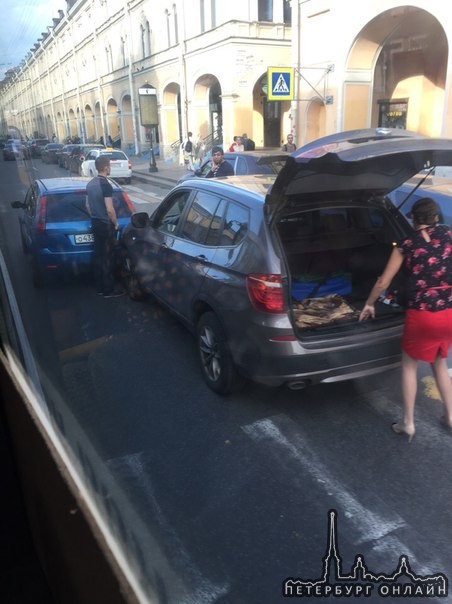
(401, 429)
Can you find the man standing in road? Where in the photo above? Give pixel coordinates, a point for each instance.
(99, 202)
(220, 167)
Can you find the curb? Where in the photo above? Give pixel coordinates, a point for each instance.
(162, 181)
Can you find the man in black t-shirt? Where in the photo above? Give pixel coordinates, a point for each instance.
(99, 202)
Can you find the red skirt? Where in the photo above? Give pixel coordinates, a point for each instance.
(427, 334)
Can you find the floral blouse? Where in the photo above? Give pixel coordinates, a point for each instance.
(429, 267)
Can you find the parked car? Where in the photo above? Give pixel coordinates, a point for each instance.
(77, 155)
(250, 162)
(36, 146)
(14, 149)
(63, 155)
(272, 282)
(438, 189)
(55, 227)
(50, 151)
(120, 164)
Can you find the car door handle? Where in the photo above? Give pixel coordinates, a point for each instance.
(202, 258)
(164, 245)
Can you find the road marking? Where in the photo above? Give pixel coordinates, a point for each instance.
(368, 526)
(139, 201)
(135, 468)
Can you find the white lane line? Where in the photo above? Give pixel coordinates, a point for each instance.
(204, 592)
(367, 525)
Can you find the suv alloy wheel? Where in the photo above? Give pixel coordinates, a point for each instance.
(216, 361)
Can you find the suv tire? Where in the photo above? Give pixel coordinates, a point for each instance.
(217, 365)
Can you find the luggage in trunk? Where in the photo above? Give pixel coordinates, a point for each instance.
(333, 265)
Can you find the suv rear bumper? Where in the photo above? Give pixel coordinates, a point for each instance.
(291, 364)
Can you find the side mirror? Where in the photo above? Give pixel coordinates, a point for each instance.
(198, 172)
(17, 205)
(140, 220)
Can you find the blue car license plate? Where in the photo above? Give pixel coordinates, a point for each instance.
(84, 238)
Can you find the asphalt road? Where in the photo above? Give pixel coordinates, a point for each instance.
(222, 499)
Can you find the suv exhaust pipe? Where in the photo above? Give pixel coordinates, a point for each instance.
(298, 384)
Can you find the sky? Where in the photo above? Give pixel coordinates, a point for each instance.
(23, 22)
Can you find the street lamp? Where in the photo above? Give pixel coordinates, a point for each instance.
(147, 96)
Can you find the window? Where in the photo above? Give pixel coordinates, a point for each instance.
(145, 36)
(235, 225)
(213, 11)
(176, 28)
(123, 52)
(287, 12)
(200, 217)
(169, 216)
(202, 15)
(265, 10)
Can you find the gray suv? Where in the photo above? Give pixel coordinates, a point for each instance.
(270, 273)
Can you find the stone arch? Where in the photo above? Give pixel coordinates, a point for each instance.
(90, 126)
(269, 117)
(125, 112)
(171, 113)
(207, 108)
(315, 119)
(112, 120)
(396, 71)
(72, 123)
(61, 130)
(98, 122)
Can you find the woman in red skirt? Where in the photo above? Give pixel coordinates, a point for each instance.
(427, 334)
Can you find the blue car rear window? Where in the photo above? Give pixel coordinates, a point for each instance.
(70, 207)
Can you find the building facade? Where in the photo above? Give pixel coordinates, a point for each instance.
(207, 61)
(357, 64)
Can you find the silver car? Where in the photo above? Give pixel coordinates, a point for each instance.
(270, 273)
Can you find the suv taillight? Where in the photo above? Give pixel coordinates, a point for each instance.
(266, 292)
(41, 214)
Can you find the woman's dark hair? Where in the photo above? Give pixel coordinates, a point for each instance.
(425, 211)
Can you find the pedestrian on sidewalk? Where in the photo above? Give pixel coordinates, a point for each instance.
(99, 203)
(187, 149)
(248, 143)
(289, 146)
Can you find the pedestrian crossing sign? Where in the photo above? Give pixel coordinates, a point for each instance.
(280, 83)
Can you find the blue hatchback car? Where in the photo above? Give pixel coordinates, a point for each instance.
(55, 227)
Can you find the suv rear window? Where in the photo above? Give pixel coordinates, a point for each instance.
(70, 207)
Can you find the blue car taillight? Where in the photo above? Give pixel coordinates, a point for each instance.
(41, 214)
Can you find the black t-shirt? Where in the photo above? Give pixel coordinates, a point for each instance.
(97, 189)
(224, 169)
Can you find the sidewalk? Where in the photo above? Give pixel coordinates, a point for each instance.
(167, 175)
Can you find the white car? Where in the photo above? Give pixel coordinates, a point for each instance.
(120, 164)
